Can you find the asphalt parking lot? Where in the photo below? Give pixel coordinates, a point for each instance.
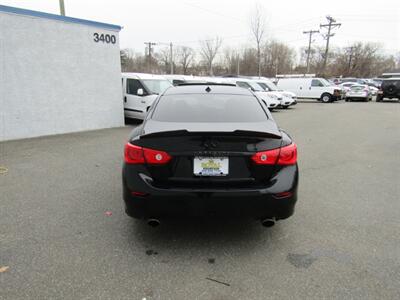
(64, 234)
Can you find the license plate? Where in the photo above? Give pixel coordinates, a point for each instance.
(211, 166)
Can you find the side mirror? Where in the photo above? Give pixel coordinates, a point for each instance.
(140, 92)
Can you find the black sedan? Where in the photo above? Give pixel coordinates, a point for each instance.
(209, 150)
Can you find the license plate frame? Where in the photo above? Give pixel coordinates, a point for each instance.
(210, 166)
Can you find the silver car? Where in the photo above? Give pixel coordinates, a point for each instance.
(359, 92)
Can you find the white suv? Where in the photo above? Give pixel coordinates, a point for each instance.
(286, 98)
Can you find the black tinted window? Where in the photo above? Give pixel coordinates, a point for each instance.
(209, 108)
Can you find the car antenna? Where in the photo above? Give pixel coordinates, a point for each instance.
(208, 89)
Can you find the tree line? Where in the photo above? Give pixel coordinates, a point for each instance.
(264, 57)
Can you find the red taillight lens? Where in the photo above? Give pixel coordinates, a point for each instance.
(139, 155)
(282, 156)
(268, 157)
(133, 154)
(156, 157)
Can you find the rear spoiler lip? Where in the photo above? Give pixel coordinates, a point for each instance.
(250, 133)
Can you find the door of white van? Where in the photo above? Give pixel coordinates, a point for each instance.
(315, 89)
(135, 104)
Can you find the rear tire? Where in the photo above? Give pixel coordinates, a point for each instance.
(326, 98)
(346, 99)
(378, 98)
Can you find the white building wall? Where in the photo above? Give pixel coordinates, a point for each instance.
(55, 79)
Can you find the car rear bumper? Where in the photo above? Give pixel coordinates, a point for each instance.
(277, 200)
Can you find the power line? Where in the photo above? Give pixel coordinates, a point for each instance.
(331, 25)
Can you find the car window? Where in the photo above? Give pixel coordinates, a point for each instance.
(271, 86)
(255, 86)
(264, 86)
(316, 82)
(209, 108)
(357, 87)
(156, 86)
(325, 82)
(132, 86)
(243, 84)
(177, 81)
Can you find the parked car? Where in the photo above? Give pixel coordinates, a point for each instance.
(358, 92)
(346, 86)
(378, 82)
(314, 88)
(190, 157)
(271, 100)
(139, 90)
(288, 98)
(390, 89)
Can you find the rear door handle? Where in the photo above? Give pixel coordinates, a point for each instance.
(125, 99)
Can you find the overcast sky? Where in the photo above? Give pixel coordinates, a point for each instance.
(185, 22)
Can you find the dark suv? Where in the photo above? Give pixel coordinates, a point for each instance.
(390, 88)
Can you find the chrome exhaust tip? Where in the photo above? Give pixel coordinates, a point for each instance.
(269, 222)
(153, 222)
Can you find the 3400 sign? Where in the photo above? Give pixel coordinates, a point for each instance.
(104, 38)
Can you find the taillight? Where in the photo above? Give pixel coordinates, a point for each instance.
(139, 155)
(268, 157)
(156, 157)
(286, 155)
(133, 154)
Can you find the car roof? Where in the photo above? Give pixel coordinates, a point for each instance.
(208, 89)
(392, 78)
(143, 76)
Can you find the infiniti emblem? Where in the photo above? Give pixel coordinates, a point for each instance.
(209, 144)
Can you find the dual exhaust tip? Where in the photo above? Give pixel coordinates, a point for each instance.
(268, 222)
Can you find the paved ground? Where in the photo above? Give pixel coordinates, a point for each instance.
(343, 241)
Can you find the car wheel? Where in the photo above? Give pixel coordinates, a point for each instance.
(326, 98)
(378, 98)
(346, 99)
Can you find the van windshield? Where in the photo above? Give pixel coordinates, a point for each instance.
(325, 82)
(156, 86)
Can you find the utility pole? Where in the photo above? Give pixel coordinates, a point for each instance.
(171, 60)
(238, 65)
(62, 7)
(149, 47)
(350, 49)
(310, 34)
(331, 25)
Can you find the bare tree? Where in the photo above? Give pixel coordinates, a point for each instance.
(208, 50)
(185, 58)
(257, 26)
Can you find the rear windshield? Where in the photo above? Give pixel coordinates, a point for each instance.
(357, 87)
(209, 108)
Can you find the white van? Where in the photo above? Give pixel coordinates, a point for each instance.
(314, 88)
(139, 90)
